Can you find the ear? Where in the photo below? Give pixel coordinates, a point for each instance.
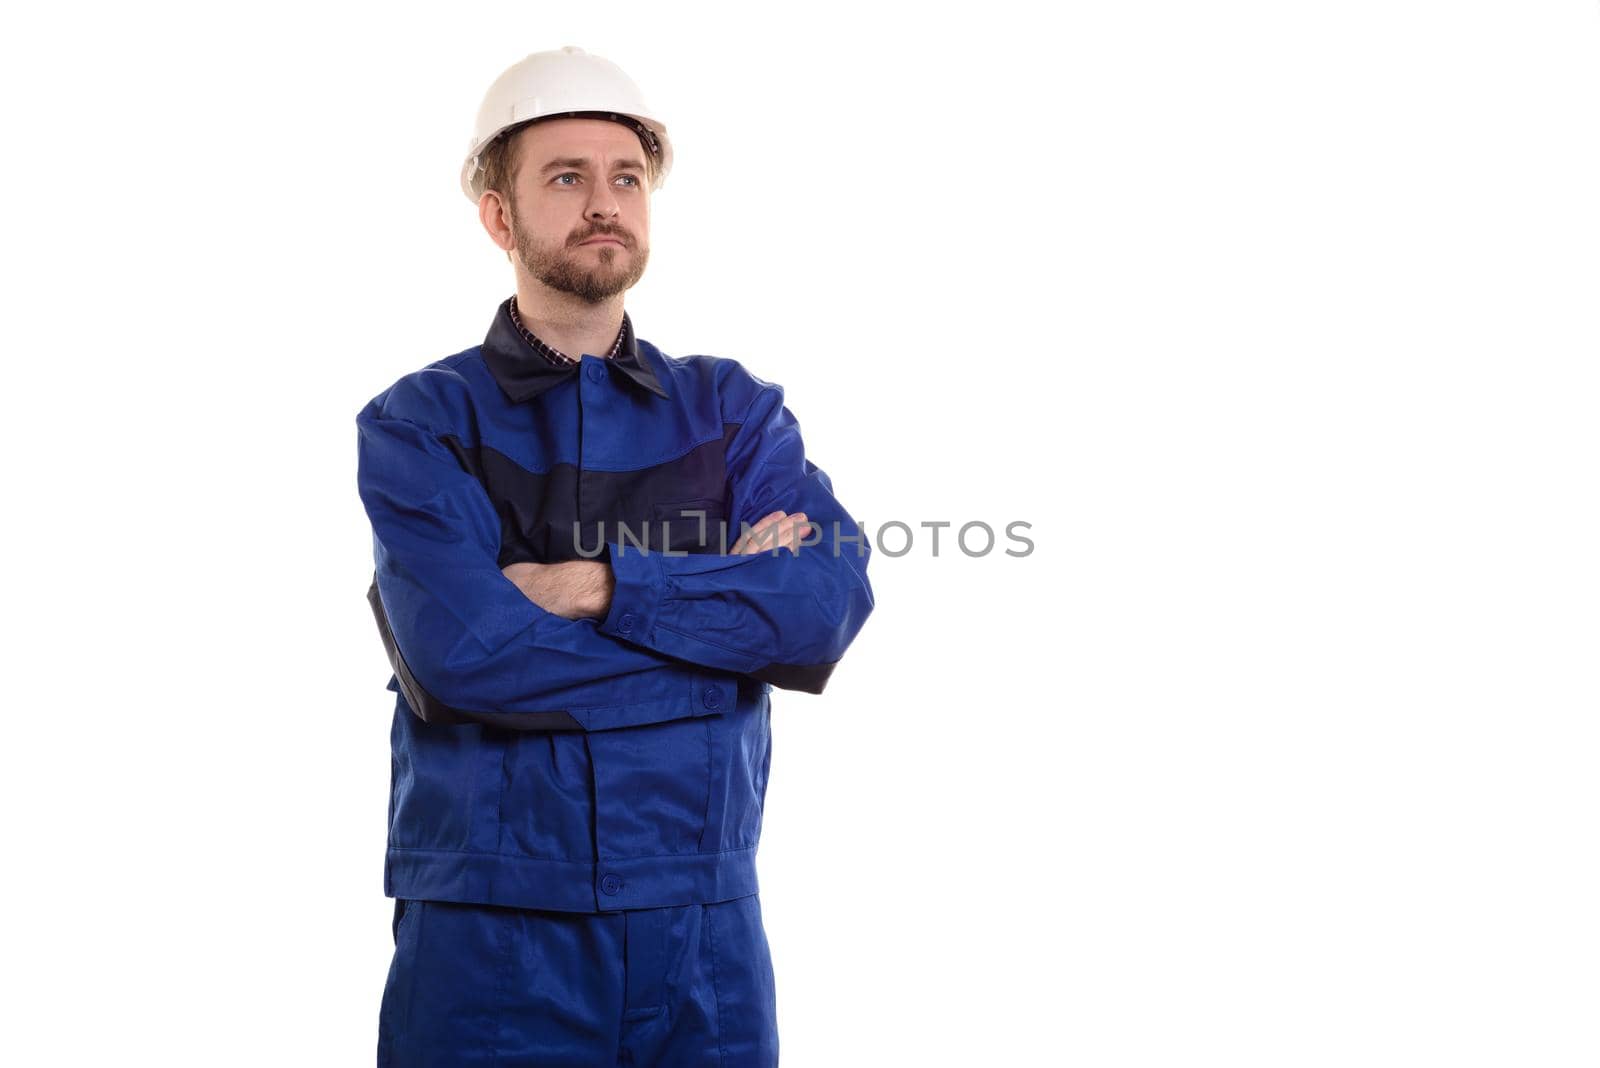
(495, 215)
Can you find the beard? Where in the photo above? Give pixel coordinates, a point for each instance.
(564, 267)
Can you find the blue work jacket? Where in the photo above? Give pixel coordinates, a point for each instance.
(599, 763)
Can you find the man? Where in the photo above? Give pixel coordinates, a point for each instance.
(582, 662)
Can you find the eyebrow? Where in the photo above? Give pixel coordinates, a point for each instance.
(576, 164)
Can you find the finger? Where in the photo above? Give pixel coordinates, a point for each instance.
(798, 527)
(787, 535)
(764, 538)
(749, 542)
(759, 540)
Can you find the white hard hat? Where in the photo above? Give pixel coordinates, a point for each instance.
(566, 81)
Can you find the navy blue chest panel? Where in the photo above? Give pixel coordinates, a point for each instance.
(544, 515)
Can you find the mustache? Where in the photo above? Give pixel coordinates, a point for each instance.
(606, 231)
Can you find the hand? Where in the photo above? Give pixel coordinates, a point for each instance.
(575, 589)
(774, 529)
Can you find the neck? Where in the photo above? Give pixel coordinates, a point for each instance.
(567, 323)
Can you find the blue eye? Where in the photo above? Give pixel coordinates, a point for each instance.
(568, 174)
(632, 178)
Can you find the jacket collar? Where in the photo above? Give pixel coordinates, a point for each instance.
(524, 374)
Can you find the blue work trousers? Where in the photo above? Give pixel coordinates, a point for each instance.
(684, 986)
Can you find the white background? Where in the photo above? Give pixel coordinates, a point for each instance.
(1277, 321)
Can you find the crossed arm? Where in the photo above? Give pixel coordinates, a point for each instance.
(579, 589)
(632, 638)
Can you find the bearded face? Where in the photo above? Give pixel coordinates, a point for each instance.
(594, 262)
(579, 206)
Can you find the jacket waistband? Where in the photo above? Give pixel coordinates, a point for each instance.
(605, 885)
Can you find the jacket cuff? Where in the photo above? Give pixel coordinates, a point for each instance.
(636, 600)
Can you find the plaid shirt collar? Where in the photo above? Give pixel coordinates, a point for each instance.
(554, 355)
(525, 366)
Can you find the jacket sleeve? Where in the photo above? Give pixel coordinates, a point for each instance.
(466, 643)
(781, 617)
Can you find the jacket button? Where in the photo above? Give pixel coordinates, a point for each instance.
(713, 698)
(611, 884)
(596, 372)
(625, 624)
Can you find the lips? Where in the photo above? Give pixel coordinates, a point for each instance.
(601, 238)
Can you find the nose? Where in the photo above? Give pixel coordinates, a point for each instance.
(603, 204)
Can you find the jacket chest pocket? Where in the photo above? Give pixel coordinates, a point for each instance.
(693, 525)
